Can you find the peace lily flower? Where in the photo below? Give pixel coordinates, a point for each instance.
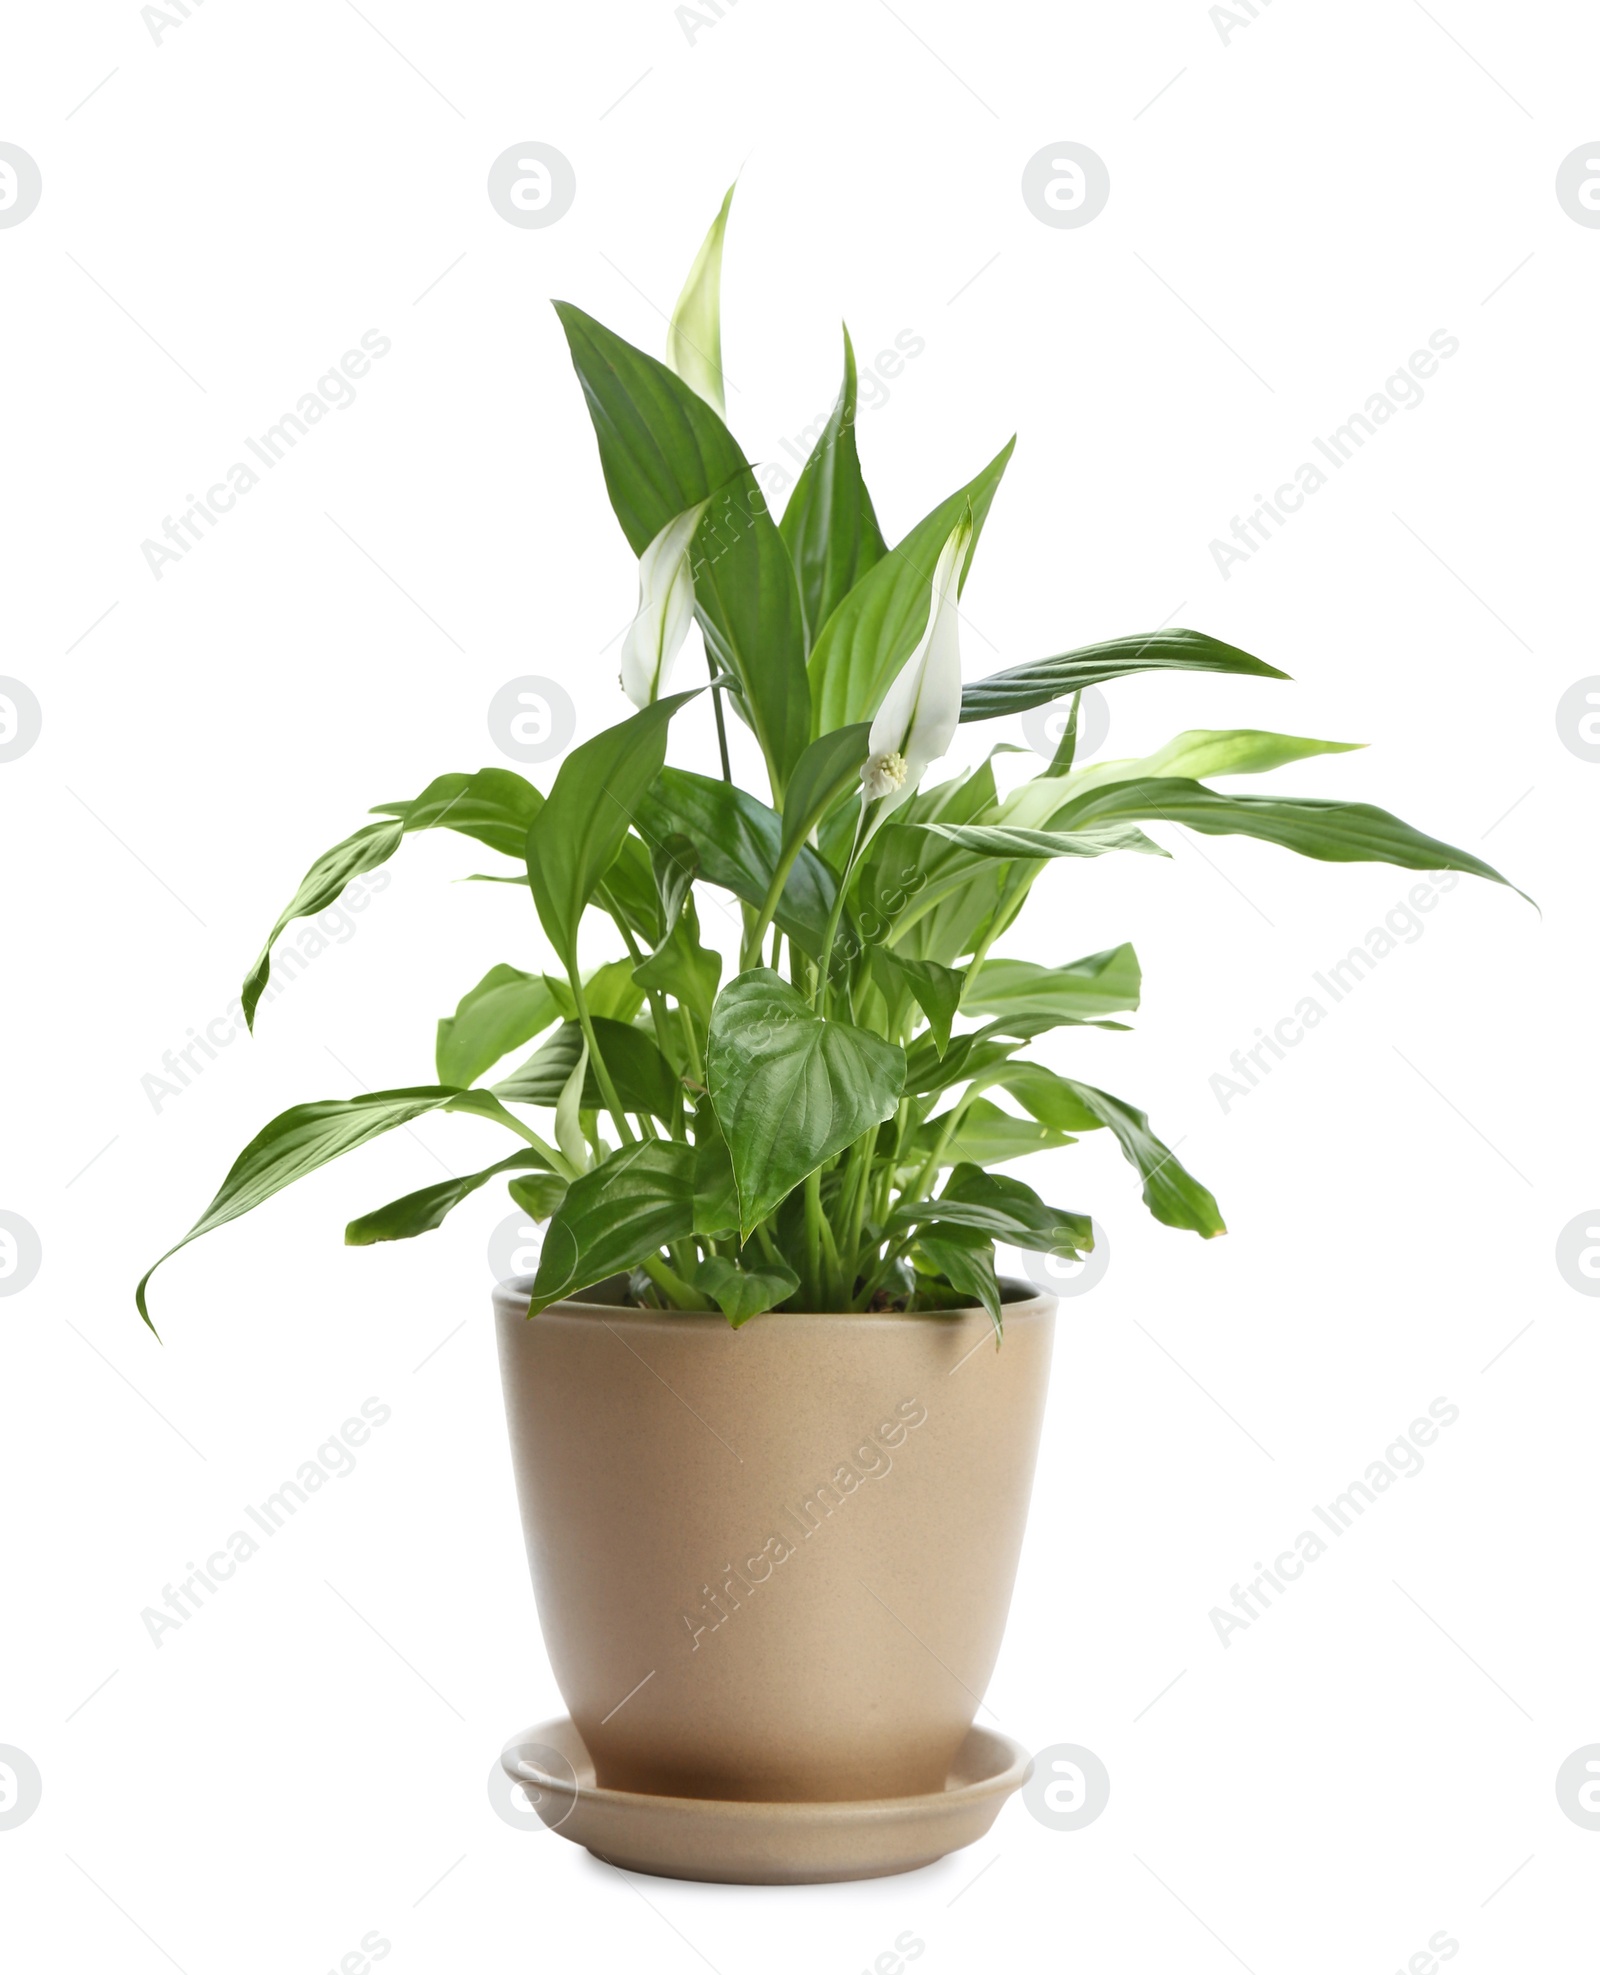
(666, 609)
(917, 721)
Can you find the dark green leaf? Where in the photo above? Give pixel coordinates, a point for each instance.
(737, 840)
(967, 1267)
(790, 1089)
(664, 450)
(683, 968)
(829, 527)
(872, 633)
(643, 1077)
(935, 989)
(506, 1009)
(626, 1208)
(1005, 1209)
(417, 1213)
(580, 829)
(741, 1294)
(1022, 686)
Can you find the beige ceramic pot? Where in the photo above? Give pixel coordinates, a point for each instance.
(772, 1565)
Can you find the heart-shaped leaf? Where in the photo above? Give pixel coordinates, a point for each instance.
(790, 1089)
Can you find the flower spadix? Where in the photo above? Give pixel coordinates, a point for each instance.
(666, 609)
(920, 712)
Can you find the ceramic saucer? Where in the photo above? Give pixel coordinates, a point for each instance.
(756, 1844)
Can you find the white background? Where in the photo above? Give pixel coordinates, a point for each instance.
(305, 1761)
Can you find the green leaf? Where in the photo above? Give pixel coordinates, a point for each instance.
(1022, 686)
(1203, 751)
(829, 769)
(741, 1294)
(738, 841)
(1047, 1096)
(682, 967)
(626, 1208)
(371, 846)
(968, 1268)
(1101, 984)
(967, 1056)
(829, 527)
(874, 630)
(694, 335)
(629, 890)
(663, 450)
(1335, 832)
(988, 1136)
(790, 1089)
(716, 1198)
(1173, 1195)
(1002, 1208)
(935, 989)
(1002, 840)
(417, 1213)
(576, 835)
(674, 865)
(539, 1195)
(610, 990)
(506, 1009)
(643, 1077)
(493, 806)
(300, 1140)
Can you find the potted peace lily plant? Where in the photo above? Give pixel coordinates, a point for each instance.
(773, 1490)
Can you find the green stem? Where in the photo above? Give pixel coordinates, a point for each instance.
(812, 1277)
(680, 1294)
(608, 1089)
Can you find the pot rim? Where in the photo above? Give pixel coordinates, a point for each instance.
(1019, 1300)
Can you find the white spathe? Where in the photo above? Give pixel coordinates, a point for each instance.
(666, 609)
(920, 712)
